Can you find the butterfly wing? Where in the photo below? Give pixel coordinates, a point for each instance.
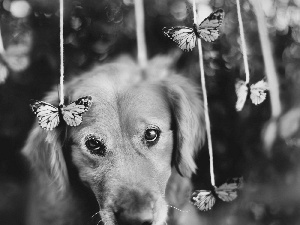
(203, 199)
(258, 94)
(47, 114)
(226, 195)
(208, 29)
(241, 91)
(72, 113)
(228, 191)
(184, 37)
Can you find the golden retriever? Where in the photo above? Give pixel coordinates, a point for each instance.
(116, 164)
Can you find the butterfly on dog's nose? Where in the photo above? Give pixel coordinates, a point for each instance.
(49, 115)
(186, 37)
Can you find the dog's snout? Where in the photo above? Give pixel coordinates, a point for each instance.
(135, 208)
(128, 217)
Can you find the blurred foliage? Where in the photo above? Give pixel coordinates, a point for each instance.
(98, 30)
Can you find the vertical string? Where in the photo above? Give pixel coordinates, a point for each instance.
(61, 34)
(140, 33)
(1, 43)
(268, 59)
(207, 120)
(244, 48)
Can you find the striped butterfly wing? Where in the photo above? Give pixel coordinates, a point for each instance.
(72, 113)
(47, 114)
(184, 37)
(203, 199)
(208, 30)
(257, 90)
(228, 191)
(226, 195)
(241, 91)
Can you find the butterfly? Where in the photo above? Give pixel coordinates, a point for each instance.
(257, 91)
(241, 91)
(186, 37)
(205, 199)
(49, 115)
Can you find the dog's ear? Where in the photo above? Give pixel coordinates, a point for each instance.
(43, 149)
(186, 104)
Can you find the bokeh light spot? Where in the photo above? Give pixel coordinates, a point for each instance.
(20, 9)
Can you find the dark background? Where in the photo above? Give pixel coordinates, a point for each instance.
(97, 31)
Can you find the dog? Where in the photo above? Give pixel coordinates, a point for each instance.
(144, 126)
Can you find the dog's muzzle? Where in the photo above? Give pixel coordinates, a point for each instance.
(133, 207)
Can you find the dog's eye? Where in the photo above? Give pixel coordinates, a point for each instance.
(152, 135)
(95, 146)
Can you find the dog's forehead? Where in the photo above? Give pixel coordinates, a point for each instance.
(138, 101)
(119, 101)
(120, 86)
(143, 98)
(104, 81)
(145, 104)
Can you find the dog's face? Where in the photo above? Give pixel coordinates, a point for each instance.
(123, 151)
(134, 133)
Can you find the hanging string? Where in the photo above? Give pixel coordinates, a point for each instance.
(244, 48)
(268, 59)
(207, 120)
(3, 68)
(1, 43)
(140, 33)
(61, 26)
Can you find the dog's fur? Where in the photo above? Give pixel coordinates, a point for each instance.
(126, 184)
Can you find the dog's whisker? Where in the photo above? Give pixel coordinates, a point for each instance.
(95, 214)
(100, 222)
(185, 211)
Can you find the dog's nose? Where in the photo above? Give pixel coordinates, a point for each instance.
(135, 208)
(126, 217)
